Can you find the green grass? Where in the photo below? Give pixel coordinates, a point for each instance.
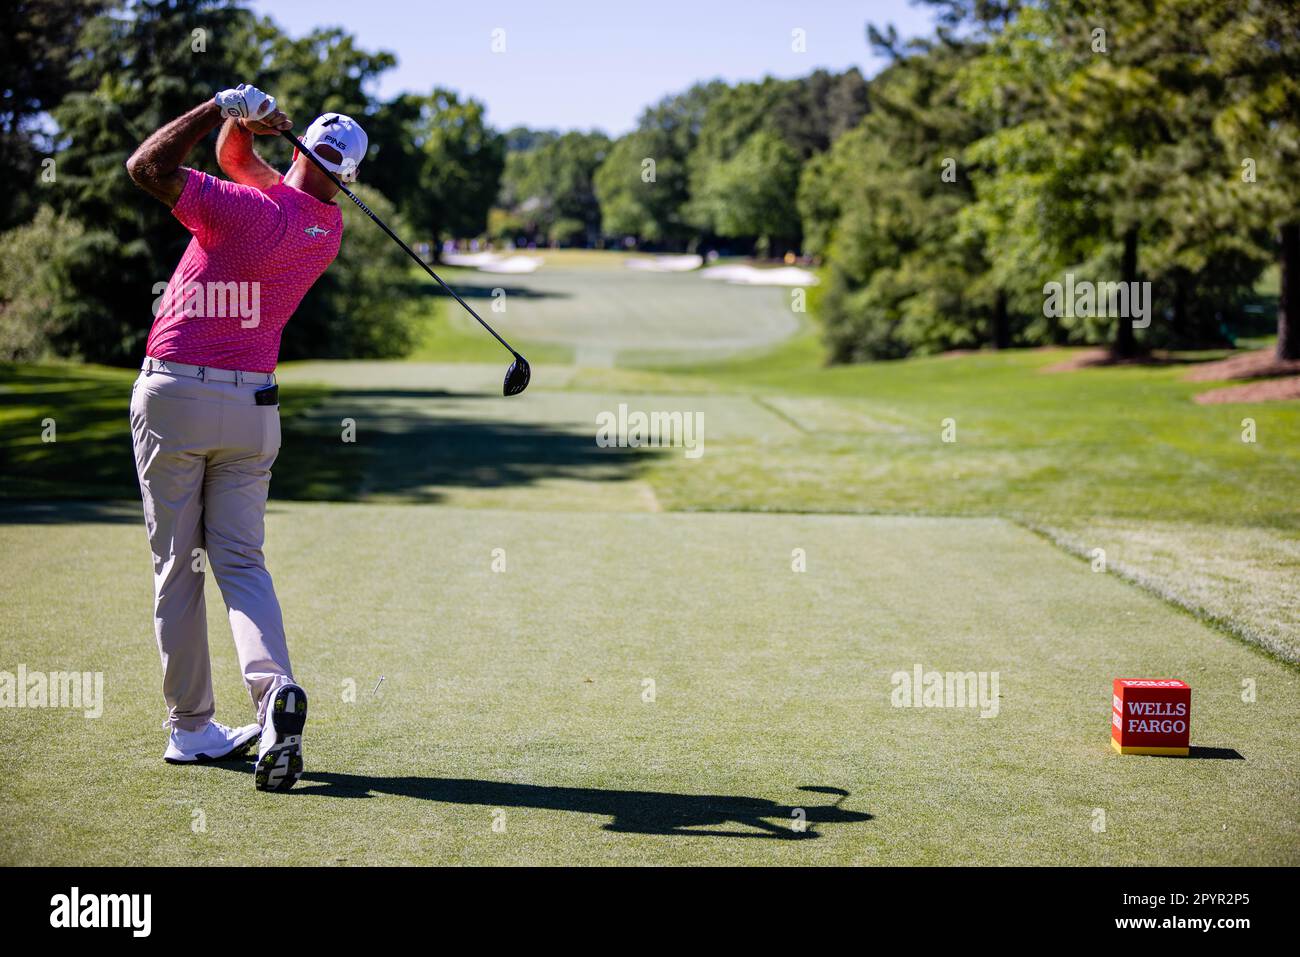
(607, 315)
(87, 452)
(1239, 578)
(1098, 458)
(521, 692)
(582, 259)
(443, 332)
(1113, 442)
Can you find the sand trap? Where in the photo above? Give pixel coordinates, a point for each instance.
(471, 260)
(493, 262)
(515, 264)
(665, 263)
(750, 276)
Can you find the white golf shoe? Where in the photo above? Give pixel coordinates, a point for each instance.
(215, 742)
(279, 753)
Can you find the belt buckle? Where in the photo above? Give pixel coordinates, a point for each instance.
(203, 373)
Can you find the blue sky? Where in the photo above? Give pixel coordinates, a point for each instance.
(578, 64)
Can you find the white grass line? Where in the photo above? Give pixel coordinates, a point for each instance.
(1158, 586)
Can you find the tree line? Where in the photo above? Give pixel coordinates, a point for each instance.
(85, 81)
(1023, 144)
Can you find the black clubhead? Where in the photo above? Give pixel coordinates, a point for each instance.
(517, 376)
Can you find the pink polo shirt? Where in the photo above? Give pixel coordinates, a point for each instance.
(254, 255)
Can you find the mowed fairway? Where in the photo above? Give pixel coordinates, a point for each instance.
(525, 649)
(604, 314)
(520, 697)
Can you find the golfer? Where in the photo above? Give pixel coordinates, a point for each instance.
(205, 419)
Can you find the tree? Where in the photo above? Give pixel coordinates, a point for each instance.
(768, 129)
(734, 116)
(322, 72)
(361, 307)
(1099, 162)
(552, 182)
(142, 66)
(141, 69)
(643, 184)
(37, 50)
(38, 294)
(1030, 216)
(816, 110)
(442, 163)
(753, 193)
(1256, 49)
(880, 207)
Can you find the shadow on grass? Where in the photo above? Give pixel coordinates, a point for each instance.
(633, 812)
(70, 511)
(410, 446)
(403, 452)
(66, 435)
(490, 291)
(1208, 754)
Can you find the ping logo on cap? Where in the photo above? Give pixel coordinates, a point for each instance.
(344, 136)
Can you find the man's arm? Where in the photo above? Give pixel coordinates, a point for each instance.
(156, 165)
(238, 160)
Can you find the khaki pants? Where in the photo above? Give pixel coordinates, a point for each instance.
(203, 453)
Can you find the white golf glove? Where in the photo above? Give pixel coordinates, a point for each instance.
(245, 102)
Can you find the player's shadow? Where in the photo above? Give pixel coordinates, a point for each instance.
(633, 812)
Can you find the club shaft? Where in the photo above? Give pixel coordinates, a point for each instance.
(392, 235)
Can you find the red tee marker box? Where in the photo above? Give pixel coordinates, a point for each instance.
(1151, 716)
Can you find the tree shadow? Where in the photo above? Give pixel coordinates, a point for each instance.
(489, 291)
(409, 450)
(632, 812)
(410, 446)
(67, 436)
(70, 511)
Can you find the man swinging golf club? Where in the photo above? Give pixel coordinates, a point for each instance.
(205, 419)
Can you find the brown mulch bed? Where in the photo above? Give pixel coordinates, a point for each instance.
(1079, 360)
(1261, 364)
(1265, 390)
(1097, 358)
(1275, 379)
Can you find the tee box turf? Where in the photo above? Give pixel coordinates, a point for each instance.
(1151, 716)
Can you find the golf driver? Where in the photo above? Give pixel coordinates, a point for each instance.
(518, 375)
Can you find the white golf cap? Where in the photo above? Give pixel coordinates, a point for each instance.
(344, 134)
